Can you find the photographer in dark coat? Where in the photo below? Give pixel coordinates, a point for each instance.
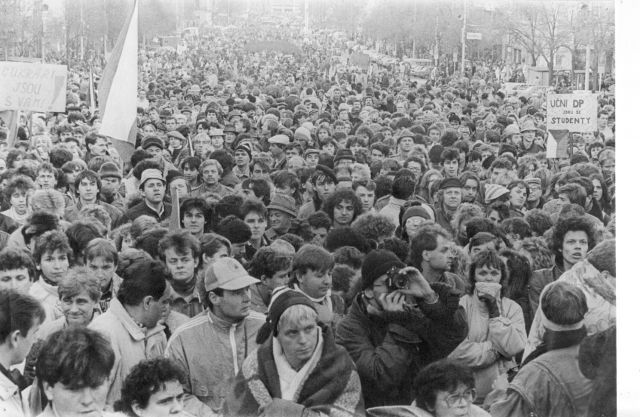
(398, 324)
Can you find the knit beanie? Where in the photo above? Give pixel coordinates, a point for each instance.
(376, 264)
(302, 133)
(246, 148)
(415, 211)
(281, 300)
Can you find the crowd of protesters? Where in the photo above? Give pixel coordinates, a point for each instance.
(297, 237)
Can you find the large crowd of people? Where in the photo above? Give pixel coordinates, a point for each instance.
(295, 236)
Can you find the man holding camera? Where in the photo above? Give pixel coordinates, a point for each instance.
(398, 324)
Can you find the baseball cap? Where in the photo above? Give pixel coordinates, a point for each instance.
(227, 274)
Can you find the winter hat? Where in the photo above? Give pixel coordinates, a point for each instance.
(533, 181)
(450, 183)
(343, 154)
(246, 148)
(281, 300)
(376, 264)
(493, 192)
(302, 134)
(506, 147)
(152, 141)
(109, 169)
(564, 306)
(283, 203)
(415, 211)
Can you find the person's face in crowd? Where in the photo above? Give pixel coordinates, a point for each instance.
(329, 148)
(535, 192)
(406, 144)
(78, 136)
(212, 117)
(298, 341)
(181, 119)
(229, 138)
(415, 168)
(355, 147)
(291, 152)
(312, 159)
(597, 189)
(608, 166)
(575, 245)
(259, 172)
(518, 196)
(155, 151)
(54, 265)
(565, 198)
(497, 173)
(234, 305)
(242, 158)
(153, 191)
(171, 124)
(602, 121)
(276, 150)
(279, 279)
(257, 224)
(451, 167)
(200, 128)
(99, 148)
(455, 403)
(376, 155)
(239, 126)
(175, 143)
(325, 189)
(110, 185)
(78, 309)
(210, 175)
(295, 163)
(148, 130)
(343, 115)
(319, 235)
(441, 258)
(46, 180)
(216, 142)
(285, 189)
(588, 137)
(20, 200)
(366, 196)
(156, 309)
(15, 279)
(470, 191)
(104, 269)
(434, 135)
(594, 152)
(452, 197)
(488, 273)
(413, 224)
(190, 173)
(181, 265)
(343, 213)
(464, 132)
(316, 284)
(527, 137)
(323, 134)
(167, 401)
(279, 221)
(88, 190)
(346, 163)
(193, 220)
(65, 135)
(86, 401)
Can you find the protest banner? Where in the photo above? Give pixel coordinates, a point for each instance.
(567, 113)
(573, 112)
(35, 87)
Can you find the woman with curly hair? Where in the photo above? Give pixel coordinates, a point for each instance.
(343, 207)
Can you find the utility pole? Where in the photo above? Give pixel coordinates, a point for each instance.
(587, 67)
(464, 36)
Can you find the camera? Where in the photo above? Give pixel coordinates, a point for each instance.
(397, 279)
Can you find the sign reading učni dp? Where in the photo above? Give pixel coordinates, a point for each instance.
(576, 112)
(33, 87)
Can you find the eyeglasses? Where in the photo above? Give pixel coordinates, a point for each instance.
(468, 396)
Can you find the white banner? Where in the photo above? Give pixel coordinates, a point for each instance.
(34, 87)
(574, 112)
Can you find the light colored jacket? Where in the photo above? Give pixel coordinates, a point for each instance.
(47, 295)
(11, 404)
(601, 313)
(492, 343)
(210, 351)
(131, 344)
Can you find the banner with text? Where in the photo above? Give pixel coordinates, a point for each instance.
(574, 112)
(34, 87)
